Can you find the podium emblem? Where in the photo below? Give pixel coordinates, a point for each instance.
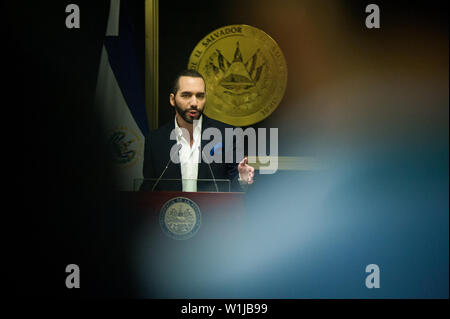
(180, 218)
(245, 73)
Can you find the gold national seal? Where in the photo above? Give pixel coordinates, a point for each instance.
(245, 73)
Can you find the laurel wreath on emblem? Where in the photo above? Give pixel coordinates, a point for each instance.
(121, 148)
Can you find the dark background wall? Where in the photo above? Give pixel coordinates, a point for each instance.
(60, 180)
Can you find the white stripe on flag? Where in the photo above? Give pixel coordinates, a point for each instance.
(125, 139)
(113, 19)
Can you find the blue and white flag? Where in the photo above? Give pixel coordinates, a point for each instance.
(120, 98)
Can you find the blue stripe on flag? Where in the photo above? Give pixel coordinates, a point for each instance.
(127, 67)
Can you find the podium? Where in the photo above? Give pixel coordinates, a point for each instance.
(177, 241)
(167, 266)
(218, 214)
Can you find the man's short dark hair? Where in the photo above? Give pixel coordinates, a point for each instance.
(187, 72)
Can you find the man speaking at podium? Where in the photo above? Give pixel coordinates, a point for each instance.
(182, 139)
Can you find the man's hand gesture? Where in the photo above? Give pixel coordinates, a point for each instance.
(246, 172)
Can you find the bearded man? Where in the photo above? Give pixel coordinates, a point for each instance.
(174, 152)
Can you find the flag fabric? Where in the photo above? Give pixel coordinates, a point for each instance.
(120, 97)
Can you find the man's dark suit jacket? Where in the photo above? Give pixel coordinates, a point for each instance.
(157, 155)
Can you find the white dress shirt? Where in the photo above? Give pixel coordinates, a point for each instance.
(189, 156)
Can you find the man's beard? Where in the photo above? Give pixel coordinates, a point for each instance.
(184, 114)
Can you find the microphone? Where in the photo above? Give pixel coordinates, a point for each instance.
(214, 178)
(160, 176)
(167, 165)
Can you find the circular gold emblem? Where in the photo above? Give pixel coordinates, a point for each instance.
(245, 73)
